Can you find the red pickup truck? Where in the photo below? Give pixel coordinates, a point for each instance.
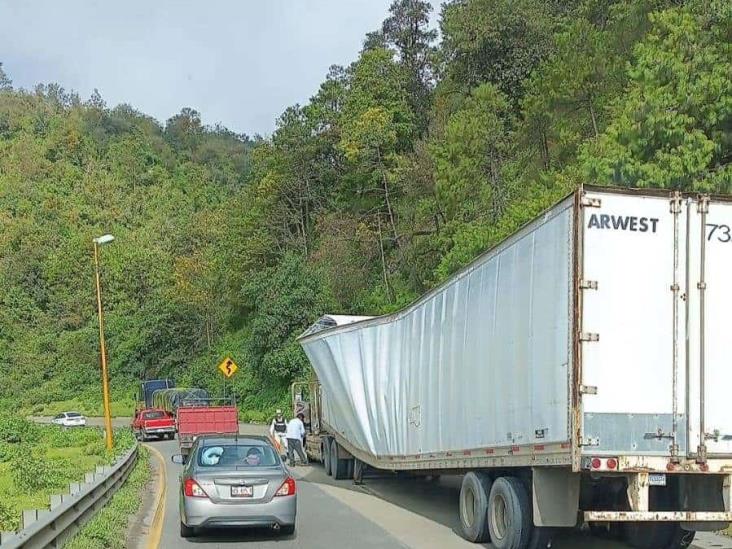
(153, 422)
(205, 418)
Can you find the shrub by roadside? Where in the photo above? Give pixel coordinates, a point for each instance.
(108, 529)
(39, 460)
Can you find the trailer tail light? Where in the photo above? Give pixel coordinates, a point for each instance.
(601, 464)
(287, 488)
(193, 490)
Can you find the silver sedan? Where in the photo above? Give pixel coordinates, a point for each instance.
(235, 482)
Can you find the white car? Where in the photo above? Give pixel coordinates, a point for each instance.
(70, 419)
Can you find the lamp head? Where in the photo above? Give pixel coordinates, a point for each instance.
(105, 239)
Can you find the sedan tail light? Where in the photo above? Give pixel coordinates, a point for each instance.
(287, 488)
(193, 490)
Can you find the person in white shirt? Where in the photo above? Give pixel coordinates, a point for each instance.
(295, 436)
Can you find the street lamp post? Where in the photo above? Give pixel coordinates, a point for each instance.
(105, 374)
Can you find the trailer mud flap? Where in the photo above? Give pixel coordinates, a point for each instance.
(555, 494)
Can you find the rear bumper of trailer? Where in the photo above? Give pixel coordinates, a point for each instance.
(658, 516)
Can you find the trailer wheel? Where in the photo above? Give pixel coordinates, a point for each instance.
(338, 466)
(658, 535)
(325, 452)
(541, 537)
(509, 514)
(474, 494)
(681, 539)
(358, 469)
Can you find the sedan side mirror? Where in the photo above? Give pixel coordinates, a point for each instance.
(180, 459)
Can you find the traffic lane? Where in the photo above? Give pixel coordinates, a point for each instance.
(386, 511)
(322, 521)
(438, 502)
(90, 421)
(123, 421)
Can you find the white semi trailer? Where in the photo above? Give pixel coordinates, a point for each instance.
(581, 370)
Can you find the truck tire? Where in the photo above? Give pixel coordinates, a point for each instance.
(509, 514)
(658, 535)
(474, 494)
(358, 470)
(339, 466)
(681, 539)
(541, 537)
(325, 450)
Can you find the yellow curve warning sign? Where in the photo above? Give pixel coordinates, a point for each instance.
(228, 367)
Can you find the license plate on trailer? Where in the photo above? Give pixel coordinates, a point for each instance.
(242, 491)
(656, 479)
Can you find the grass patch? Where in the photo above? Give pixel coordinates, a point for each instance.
(39, 460)
(121, 407)
(108, 529)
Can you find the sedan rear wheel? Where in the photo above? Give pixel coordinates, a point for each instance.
(287, 530)
(187, 531)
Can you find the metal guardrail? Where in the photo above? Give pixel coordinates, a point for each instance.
(68, 512)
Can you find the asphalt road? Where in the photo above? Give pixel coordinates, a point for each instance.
(385, 512)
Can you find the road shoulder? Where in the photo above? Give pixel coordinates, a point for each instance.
(149, 521)
(410, 529)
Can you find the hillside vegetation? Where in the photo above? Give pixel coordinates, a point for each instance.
(39, 460)
(402, 168)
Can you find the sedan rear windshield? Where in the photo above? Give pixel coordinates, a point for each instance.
(154, 415)
(73, 414)
(236, 455)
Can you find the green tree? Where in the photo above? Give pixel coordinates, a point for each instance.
(671, 128)
(407, 31)
(496, 41)
(471, 156)
(5, 82)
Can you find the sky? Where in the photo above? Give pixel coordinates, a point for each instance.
(238, 62)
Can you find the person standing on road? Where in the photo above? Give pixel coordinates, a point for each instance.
(295, 436)
(278, 431)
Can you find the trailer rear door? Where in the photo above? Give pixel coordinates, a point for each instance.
(710, 336)
(631, 337)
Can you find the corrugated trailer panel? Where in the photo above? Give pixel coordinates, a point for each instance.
(481, 362)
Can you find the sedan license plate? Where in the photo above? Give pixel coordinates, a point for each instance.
(657, 479)
(242, 491)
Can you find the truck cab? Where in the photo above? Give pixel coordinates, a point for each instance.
(153, 423)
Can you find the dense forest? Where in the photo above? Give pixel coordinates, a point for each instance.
(431, 146)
